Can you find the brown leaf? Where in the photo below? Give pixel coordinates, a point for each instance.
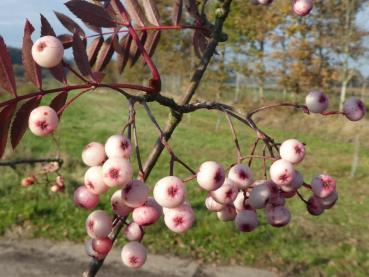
(152, 12)
(70, 24)
(177, 12)
(20, 122)
(135, 52)
(7, 79)
(90, 13)
(113, 11)
(66, 39)
(5, 118)
(124, 56)
(46, 29)
(80, 55)
(105, 54)
(59, 101)
(94, 48)
(152, 42)
(135, 12)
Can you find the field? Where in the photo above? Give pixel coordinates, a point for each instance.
(334, 244)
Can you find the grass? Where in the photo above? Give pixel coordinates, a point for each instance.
(334, 244)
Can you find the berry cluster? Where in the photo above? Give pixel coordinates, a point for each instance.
(299, 7)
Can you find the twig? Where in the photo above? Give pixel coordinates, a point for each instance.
(30, 161)
(234, 135)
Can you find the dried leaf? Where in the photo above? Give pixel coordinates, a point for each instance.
(177, 12)
(135, 52)
(124, 56)
(46, 29)
(105, 54)
(152, 42)
(135, 12)
(152, 12)
(59, 101)
(69, 24)
(7, 79)
(20, 122)
(90, 13)
(5, 118)
(80, 55)
(94, 48)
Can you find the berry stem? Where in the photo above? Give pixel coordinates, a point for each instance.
(234, 135)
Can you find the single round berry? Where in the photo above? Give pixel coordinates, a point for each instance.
(296, 183)
(43, 121)
(302, 7)
(330, 201)
(260, 195)
(278, 216)
(323, 185)
(133, 232)
(354, 109)
(227, 214)
(98, 224)
(292, 151)
(135, 193)
(169, 192)
(316, 102)
(29, 181)
(240, 204)
(102, 246)
(117, 172)
(179, 219)
(315, 206)
(246, 221)
(226, 194)
(94, 180)
(213, 205)
(118, 204)
(151, 202)
(145, 215)
(210, 176)
(92, 252)
(241, 175)
(48, 51)
(93, 154)
(118, 146)
(85, 198)
(134, 254)
(282, 172)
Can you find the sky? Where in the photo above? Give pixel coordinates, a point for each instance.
(14, 12)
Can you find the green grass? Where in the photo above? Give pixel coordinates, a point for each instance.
(336, 243)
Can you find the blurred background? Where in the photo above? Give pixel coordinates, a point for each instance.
(271, 56)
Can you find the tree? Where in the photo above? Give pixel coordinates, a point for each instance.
(133, 35)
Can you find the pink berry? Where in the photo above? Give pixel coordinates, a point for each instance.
(169, 192)
(227, 214)
(315, 206)
(226, 194)
(282, 172)
(43, 121)
(85, 198)
(323, 185)
(135, 193)
(302, 7)
(134, 254)
(150, 202)
(292, 151)
(260, 195)
(210, 176)
(179, 219)
(145, 215)
(354, 109)
(316, 102)
(118, 146)
(98, 224)
(91, 251)
(213, 205)
(47, 51)
(118, 204)
(278, 216)
(94, 180)
(133, 232)
(241, 175)
(93, 154)
(330, 201)
(246, 221)
(102, 246)
(117, 172)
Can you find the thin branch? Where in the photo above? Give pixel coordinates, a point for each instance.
(235, 139)
(14, 163)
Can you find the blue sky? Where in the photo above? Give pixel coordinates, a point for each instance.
(14, 12)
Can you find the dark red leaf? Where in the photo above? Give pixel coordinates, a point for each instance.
(98, 76)
(59, 101)
(135, 52)
(113, 10)
(5, 118)
(94, 48)
(80, 55)
(46, 29)
(20, 122)
(177, 12)
(7, 80)
(90, 13)
(124, 56)
(135, 12)
(152, 42)
(105, 54)
(33, 70)
(58, 73)
(70, 24)
(67, 40)
(151, 11)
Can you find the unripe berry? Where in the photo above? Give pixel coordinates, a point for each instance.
(43, 121)
(246, 221)
(118, 204)
(118, 146)
(316, 102)
(226, 194)
(302, 7)
(292, 151)
(323, 185)
(94, 180)
(98, 224)
(282, 172)
(169, 192)
(93, 154)
(213, 205)
(133, 232)
(134, 254)
(85, 198)
(56, 188)
(135, 193)
(330, 201)
(354, 109)
(260, 195)
(315, 206)
(47, 51)
(278, 216)
(102, 246)
(29, 181)
(227, 214)
(117, 172)
(210, 176)
(180, 219)
(241, 175)
(145, 215)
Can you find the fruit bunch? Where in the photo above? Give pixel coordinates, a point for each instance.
(299, 7)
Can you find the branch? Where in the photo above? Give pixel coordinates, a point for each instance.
(14, 163)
